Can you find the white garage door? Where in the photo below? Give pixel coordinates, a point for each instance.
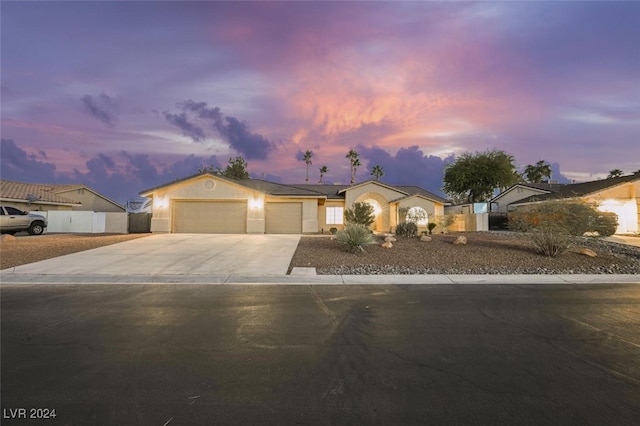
(284, 218)
(210, 217)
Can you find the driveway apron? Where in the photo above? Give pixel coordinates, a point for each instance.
(178, 254)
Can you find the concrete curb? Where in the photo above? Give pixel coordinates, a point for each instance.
(21, 279)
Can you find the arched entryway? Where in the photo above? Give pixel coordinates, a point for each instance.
(377, 211)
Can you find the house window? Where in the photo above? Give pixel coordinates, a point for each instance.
(335, 215)
(418, 215)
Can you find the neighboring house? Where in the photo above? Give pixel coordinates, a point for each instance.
(207, 203)
(619, 195)
(50, 197)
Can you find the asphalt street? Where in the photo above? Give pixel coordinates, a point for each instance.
(187, 354)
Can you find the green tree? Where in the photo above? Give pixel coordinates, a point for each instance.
(477, 176)
(354, 160)
(323, 171)
(377, 172)
(236, 169)
(615, 173)
(307, 159)
(535, 173)
(360, 214)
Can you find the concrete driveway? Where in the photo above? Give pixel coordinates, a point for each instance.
(178, 254)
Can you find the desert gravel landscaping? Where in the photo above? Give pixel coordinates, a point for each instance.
(484, 253)
(33, 248)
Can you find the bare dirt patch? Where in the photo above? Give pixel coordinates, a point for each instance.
(484, 253)
(33, 248)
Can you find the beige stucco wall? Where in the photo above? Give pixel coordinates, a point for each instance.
(90, 201)
(515, 194)
(205, 188)
(323, 226)
(210, 188)
(433, 210)
(383, 195)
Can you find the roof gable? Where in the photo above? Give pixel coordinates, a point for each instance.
(372, 182)
(408, 197)
(578, 190)
(521, 185)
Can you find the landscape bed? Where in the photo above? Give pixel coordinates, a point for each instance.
(484, 253)
(33, 248)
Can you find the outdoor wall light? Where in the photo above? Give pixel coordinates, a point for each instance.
(255, 204)
(162, 203)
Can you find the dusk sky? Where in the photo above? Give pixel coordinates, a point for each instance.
(124, 96)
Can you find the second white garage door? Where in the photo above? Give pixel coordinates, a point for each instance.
(284, 218)
(210, 217)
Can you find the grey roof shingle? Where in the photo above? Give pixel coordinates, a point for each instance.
(416, 190)
(330, 191)
(577, 190)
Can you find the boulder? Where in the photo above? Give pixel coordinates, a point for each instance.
(387, 244)
(425, 238)
(460, 241)
(390, 238)
(5, 238)
(587, 252)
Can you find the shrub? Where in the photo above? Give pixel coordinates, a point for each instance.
(606, 224)
(355, 236)
(551, 226)
(572, 217)
(360, 214)
(407, 229)
(430, 227)
(550, 241)
(333, 231)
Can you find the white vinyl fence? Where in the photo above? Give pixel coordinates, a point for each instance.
(86, 222)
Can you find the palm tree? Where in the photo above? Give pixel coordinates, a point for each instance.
(377, 172)
(323, 171)
(534, 174)
(615, 173)
(354, 159)
(307, 159)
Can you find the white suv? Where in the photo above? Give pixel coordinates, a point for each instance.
(13, 220)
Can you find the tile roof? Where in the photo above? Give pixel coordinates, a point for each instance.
(47, 193)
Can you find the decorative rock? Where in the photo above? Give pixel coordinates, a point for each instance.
(5, 238)
(425, 238)
(460, 241)
(587, 252)
(390, 239)
(387, 244)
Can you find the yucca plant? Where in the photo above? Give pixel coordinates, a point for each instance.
(355, 236)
